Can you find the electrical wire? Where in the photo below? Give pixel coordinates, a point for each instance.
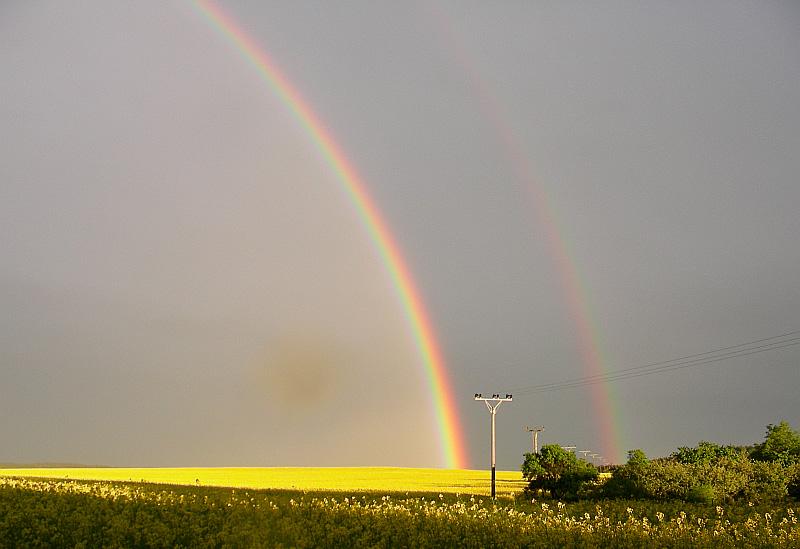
(687, 361)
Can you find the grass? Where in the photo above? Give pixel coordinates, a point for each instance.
(344, 479)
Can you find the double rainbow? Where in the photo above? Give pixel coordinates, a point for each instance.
(449, 429)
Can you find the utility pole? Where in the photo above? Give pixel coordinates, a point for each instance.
(584, 452)
(496, 401)
(569, 448)
(535, 432)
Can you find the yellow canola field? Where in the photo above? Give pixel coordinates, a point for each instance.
(344, 479)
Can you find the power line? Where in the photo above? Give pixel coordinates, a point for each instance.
(681, 358)
(616, 376)
(687, 361)
(619, 377)
(636, 372)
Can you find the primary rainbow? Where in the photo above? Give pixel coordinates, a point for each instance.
(450, 435)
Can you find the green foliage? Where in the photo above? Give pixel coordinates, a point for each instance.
(558, 471)
(665, 480)
(625, 481)
(710, 472)
(702, 493)
(637, 458)
(727, 479)
(793, 486)
(781, 444)
(707, 452)
(768, 482)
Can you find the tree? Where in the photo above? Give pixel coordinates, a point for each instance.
(626, 480)
(637, 458)
(782, 444)
(558, 471)
(707, 452)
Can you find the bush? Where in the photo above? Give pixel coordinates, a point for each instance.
(623, 484)
(793, 486)
(558, 471)
(706, 473)
(723, 480)
(671, 479)
(625, 481)
(702, 493)
(728, 477)
(667, 479)
(768, 482)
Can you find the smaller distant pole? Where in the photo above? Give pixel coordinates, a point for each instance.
(535, 434)
(496, 401)
(584, 452)
(569, 448)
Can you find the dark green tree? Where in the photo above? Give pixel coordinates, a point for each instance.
(558, 471)
(626, 480)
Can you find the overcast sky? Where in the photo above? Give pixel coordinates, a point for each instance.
(184, 282)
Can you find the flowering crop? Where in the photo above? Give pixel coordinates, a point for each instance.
(40, 512)
(375, 479)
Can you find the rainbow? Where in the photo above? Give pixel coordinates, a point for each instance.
(449, 429)
(588, 334)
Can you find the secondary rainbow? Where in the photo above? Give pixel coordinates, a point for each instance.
(588, 334)
(449, 428)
